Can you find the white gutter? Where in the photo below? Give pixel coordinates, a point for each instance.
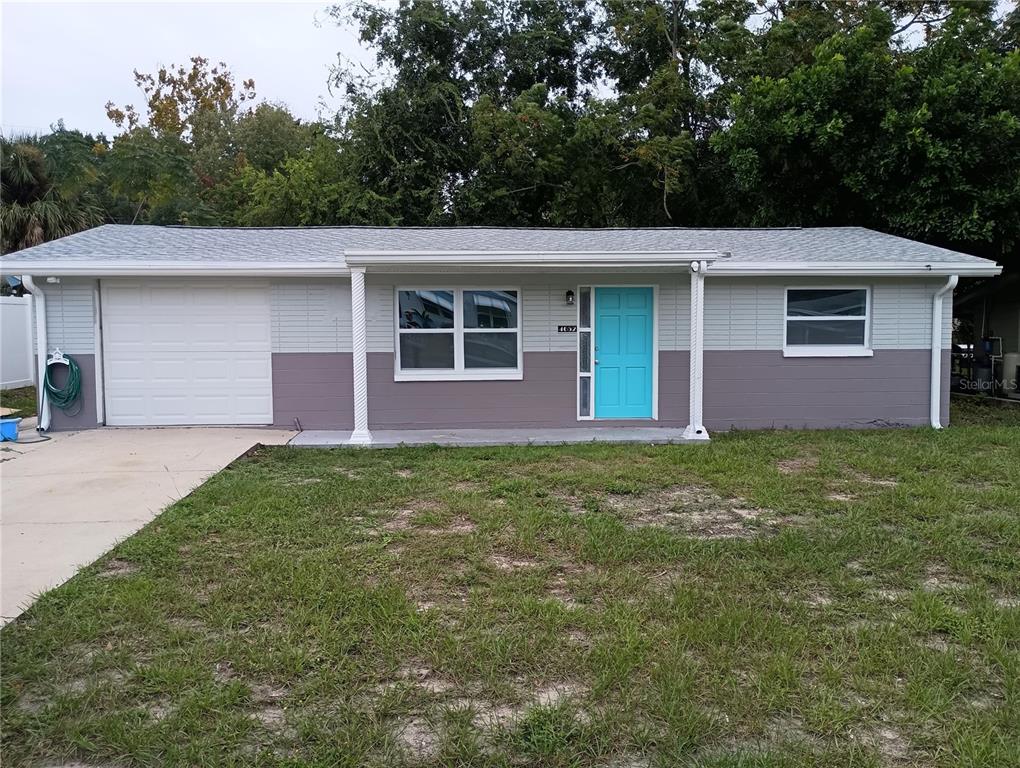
(721, 265)
(935, 395)
(855, 269)
(527, 259)
(39, 302)
(132, 268)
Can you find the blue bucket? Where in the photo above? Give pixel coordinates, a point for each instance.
(9, 429)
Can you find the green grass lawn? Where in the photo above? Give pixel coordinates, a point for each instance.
(22, 400)
(770, 599)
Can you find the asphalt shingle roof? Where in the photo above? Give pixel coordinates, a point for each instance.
(146, 243)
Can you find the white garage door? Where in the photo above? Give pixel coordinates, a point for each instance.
(186, 352)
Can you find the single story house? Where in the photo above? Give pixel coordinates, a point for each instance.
(403, 328)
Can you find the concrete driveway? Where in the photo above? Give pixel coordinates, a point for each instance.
(65, 502)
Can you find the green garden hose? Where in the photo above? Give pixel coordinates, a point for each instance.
(64, 397)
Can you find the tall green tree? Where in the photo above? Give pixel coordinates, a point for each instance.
(922, 142)
(46, 188)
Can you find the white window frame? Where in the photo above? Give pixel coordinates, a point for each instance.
(590, 374)
(828, 350)
(458, 372)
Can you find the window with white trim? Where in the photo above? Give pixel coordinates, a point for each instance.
(827, 321)
(585, 376)
(458, 333)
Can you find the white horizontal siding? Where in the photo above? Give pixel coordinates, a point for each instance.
(379, 316)
(70, 316)
(743, 314)
(312, 316)
(749, 313)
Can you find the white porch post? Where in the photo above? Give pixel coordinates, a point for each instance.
(359, 347)
(695, 429)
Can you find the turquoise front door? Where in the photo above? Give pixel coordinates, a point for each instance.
(623, 353)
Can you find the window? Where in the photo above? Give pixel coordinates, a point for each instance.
(458, 333)
(827, 322)
(584, 353)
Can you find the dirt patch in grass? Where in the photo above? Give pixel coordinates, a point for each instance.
(267, 692)
(864, 478)
(699, 512)
(890, 595)
(891, 745)
(160, 709)
(503, 562)
(417, 737)
(791, 728)
(428, 597)
(271, 717)
(425, 678)
(578, 637)
(404, 473)
(1006, 601)
(187, 624)
(938, 578)
(224, 672)
(840, 496)
(559, 592)
(554, 694)
(117, 567)
(559, 586)
(458, 526)
(797, 465)
(403, 519)
(817, 598)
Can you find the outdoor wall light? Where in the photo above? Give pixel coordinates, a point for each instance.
(570, 298)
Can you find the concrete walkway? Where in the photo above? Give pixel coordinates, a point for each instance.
(384, 438)
(65, 502)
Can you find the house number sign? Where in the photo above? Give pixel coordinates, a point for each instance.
(566, 329)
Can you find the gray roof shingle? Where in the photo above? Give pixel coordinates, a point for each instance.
(318, 245)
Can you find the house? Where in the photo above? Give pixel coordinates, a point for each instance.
(366, 328)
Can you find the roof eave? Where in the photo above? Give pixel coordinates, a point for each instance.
(66, 268)
(856, 269)
(525, 259)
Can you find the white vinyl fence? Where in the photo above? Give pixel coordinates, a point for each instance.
(17, 363)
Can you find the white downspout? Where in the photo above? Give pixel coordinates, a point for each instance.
(935, 401)
(695, 428)
(39, 302)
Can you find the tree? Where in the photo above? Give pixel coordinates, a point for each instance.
(42, 199)
(921, 142)
(184, 157)
(181, 100)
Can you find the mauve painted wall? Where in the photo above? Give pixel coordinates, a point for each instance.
(763, 389)
(545, 397)
(86, 417)
(315, 387)
(743, 389)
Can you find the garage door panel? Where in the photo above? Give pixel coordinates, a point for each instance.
(250, 333)
(187, 353)
(248, 366)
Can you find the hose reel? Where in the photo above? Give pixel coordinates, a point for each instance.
(67, 397)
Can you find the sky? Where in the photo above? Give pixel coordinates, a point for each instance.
(66, 60)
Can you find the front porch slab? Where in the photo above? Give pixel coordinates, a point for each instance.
(387, 438)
